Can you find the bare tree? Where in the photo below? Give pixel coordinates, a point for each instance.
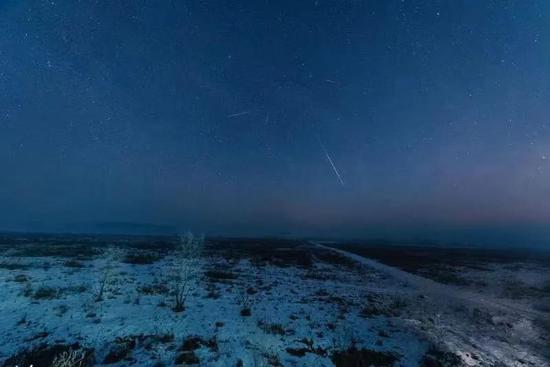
(245, 302)
(187, 268)
(111, 256)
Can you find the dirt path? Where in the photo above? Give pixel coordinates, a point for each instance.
(443, 291)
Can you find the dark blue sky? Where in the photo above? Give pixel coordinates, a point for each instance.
(225, 116)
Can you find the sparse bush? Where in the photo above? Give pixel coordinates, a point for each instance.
(397, 305)
(27, 289)
(70, 358)
(22, 320)
(275, 329)
(212, 291)
(186, 269)
(263, 352)
(317, 274)
(20, 278)
(45, 292)
(245, 302)
(61, 310)
(371, 310)
(344, 337)
(153, 289)
(111, 255)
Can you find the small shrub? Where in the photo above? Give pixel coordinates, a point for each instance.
(106, 272)
(22, 320)
(27, 290)
(245, 302)
(70, 358)
(275, 329)
(212, 291)
(122, 347)
(45, 293)
(20, 278)
(371, 311)
(153, 289)
(397, 305)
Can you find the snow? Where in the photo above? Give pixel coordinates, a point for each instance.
(323, 303)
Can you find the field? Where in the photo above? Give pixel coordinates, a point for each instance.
(519, 275)
(164, 301)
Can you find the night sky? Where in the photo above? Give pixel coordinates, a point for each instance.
(330, 118)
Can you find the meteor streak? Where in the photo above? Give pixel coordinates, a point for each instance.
(238, 114)
(331, 163)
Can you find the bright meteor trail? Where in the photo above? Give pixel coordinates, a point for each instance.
(331, 163)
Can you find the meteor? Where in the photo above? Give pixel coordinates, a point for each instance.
(238, 114)
(331, 163)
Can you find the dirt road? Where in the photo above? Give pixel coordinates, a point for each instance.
(439, 290)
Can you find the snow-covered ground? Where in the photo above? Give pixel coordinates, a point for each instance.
(332, 309)
(485, 323)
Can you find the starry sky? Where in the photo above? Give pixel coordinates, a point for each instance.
(330, 118)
